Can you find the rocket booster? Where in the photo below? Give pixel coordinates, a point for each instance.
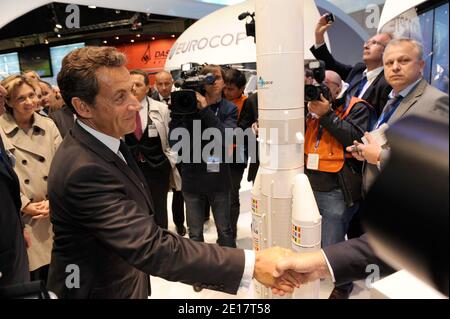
(306, 229)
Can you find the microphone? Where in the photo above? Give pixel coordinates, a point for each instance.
(244, 15)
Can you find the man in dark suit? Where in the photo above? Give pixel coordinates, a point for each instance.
(164, 85)
(366, 80)
(13, 253)
(106, 240)
(64, 119)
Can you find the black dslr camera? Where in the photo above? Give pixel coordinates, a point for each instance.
(184, 101)
(313, 91)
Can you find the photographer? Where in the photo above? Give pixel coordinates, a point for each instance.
(210, 177)
(335, 176)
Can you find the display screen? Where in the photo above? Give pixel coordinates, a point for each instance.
(36, 59)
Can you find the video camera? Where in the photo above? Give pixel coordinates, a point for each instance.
(184, 101)
(313, 91)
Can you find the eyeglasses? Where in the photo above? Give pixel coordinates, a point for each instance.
(369, 43)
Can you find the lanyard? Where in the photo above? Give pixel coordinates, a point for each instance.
(319, 136)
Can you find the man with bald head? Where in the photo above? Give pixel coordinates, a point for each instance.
(163, 85)
(332, 124)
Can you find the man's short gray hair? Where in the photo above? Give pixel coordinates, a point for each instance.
(417, 45)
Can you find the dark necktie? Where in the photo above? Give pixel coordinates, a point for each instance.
(138, 130)
(125, 151)
(361, 85)
(166, 100)
(389, 109)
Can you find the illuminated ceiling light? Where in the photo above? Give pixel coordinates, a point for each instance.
(58, 26)
(138, 35)
(117, 38)
(132, 40)
(173, 35)
(92, 7)
(46, 41)
(153, 38)
(59, 35)
(104, 41)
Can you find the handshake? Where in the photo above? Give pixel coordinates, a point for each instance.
(283, 270)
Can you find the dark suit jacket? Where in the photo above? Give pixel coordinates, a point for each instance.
(63, 119)
(377, 93)
(13, 253)
(103, 222)
(350, 258)
(249, 115)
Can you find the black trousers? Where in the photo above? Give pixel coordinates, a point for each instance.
(237, 171)
(178, 208)
(158, 180)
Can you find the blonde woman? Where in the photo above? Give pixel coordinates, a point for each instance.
(32, 139)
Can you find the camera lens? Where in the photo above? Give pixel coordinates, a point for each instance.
(312, 93)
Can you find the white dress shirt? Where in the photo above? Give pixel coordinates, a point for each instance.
(371, 76)
(143, 112)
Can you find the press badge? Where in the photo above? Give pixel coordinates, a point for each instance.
(152, 131)
(213, 165)
(313, 162)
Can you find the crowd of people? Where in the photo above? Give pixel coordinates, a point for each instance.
(86, 169)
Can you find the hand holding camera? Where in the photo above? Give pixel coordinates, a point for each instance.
(319, 108)
(322, 26)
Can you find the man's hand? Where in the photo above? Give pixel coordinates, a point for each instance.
(304, 267)
(255, 128)
(367, 152)
(320, 108)
(266, 261)
(356, 151)
(321, 27)
(38, 210)
(201, 101)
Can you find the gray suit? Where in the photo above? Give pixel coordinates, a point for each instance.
(104, 224)
(423, 100)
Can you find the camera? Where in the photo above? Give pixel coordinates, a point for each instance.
(329, 18)
(313, 91)
(191, 80)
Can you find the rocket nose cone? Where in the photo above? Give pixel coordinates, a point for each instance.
(304, 206)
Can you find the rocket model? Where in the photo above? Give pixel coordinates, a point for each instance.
(284, 210)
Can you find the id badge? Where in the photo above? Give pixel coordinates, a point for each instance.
(313, 162)
(152, 131)
(213, 165)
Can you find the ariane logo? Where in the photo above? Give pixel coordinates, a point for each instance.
(262, 84)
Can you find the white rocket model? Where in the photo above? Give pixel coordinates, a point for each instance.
(280, 63)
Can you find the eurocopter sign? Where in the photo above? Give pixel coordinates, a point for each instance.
(220, 38)
(216, 41)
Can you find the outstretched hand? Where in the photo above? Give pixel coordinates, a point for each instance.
(265, 267)
(304, 268)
